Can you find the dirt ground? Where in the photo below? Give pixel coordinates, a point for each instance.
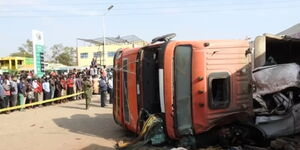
(65, 126)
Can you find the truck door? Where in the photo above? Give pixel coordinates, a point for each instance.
(117, 106)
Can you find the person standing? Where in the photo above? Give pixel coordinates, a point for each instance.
(110, 89)
(92, 71)
(46, 88)
(52, 87)
(40, 94)
(30, 94)
(7, 89)
(103, 91)
(2, 97)
(58, 88)
(14, 92)
(22, 92)
(63, 82)
(94, 63)
(103, 72)
(95, 83)
(1, 79)
(79, 86)
(74, 84)
(87, 88)
(70, 86)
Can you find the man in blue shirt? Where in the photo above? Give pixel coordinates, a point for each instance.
(103, 90)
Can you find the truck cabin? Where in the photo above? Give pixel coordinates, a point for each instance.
(194, 85)
(137, 85)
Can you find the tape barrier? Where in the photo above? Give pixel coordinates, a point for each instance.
(39, 103)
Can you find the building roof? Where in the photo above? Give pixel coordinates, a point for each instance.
(53, 66)
(114, 40)
(293, 31)
(14, 57)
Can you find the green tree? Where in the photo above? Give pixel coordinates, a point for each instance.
(63, 55)
(26, 50)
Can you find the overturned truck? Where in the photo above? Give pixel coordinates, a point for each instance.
(201, 93)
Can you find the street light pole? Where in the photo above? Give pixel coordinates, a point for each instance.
(103, 30)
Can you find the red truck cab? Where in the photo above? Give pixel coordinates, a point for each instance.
(194, 85)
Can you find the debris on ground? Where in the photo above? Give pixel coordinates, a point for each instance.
(152, 132)
(179, 148)
(286, 143)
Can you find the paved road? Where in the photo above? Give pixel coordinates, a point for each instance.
(65, 126)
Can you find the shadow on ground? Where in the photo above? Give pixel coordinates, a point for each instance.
(102, 125)
(91, 105)
(97, 147)
(72, 107)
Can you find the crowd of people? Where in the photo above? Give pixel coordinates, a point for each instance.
(25, 88)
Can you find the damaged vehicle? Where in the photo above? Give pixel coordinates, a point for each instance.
(278, 95)
(200, 93)
(276, 79)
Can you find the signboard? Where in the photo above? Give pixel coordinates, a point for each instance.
(38, 52)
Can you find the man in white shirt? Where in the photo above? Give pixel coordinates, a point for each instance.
(46, 89)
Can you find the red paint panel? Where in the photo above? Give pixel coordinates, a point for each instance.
(132, 95)
(218, 56)
(223, 56)
(199, 88)
(117, 107)
(168, 89)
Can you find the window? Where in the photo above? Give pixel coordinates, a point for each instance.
(182, 90)
(110, 54)
(97, 54)
(84, 55)
(19, 62)
(219, 90)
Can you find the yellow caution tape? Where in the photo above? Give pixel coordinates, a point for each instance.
(39, 103)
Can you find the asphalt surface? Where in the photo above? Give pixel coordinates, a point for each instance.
(66, 126)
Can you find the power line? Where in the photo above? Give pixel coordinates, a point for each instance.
(136, 2)
(105, 3)
(144, 14)
(147, 8)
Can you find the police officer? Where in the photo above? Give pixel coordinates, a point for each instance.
(87, 88)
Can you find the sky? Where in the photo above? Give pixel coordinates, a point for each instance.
(63, 21)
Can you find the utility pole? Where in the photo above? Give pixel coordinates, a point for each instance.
(103, 30)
